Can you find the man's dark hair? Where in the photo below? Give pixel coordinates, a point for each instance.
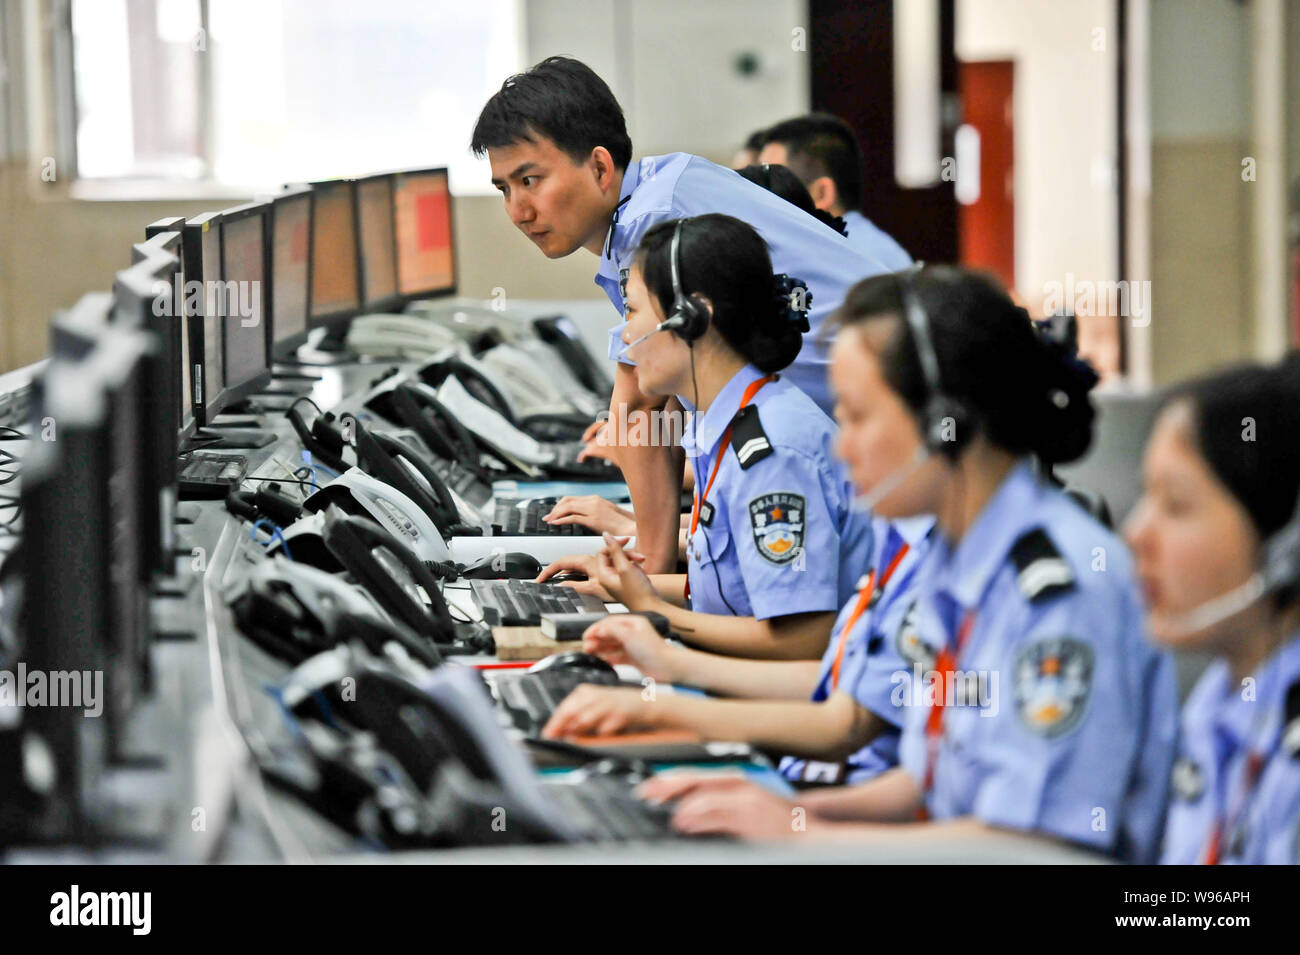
(561, 99)
(820, 144)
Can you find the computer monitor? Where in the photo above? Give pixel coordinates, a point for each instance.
(426, 261)
(65, 604)
(168, 242)
(335, 268)
(290, 287)
(244, 258)
(375, 224)
(115, 356)
(142, 297)
(201, 239)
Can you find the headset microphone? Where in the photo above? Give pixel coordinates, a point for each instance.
(891, 481)
(667, 325)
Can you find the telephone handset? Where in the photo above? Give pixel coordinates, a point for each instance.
(475, 381)
(321, 438)
(419, 408)
(381, 456)
(358, 544)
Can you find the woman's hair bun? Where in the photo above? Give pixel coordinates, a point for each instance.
(792, 299)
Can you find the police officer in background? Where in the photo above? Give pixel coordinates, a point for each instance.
(1039, 705)
(562, 159)
(823, 152)
(1217, 541)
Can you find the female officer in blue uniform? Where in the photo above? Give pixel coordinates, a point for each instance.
(1217, 543)
(1036, 704)
(849, 730)
(774, 545)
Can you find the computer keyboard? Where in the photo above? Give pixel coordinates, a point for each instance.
(521, 603)
(531, 698)
(209, 476)
(608, 810)
(524, 518)
(566, 462)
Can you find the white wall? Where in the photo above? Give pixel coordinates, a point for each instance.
(1065, 149)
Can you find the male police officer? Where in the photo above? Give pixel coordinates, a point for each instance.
(823, 152)
(562, 159)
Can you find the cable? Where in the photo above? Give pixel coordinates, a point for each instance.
(695, 443)
(276, 534)
(305, 398)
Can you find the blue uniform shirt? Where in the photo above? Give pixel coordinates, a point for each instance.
(678, 185)
(779, 535)
(875, 241)
(1222, 723)
(871, 640)
(1062, 717)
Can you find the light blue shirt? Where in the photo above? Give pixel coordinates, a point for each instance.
(663, 188)
(781, 536)
(871, 639)
(1066, 720)
(875, 241)
(1223, 722)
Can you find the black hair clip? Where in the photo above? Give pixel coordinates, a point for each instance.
(793, 299)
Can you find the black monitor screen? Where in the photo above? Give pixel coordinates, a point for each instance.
(334, 252)
(378, 249)
(289, 266)
(243, 262)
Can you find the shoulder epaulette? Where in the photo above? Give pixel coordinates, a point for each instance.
(748, 437)
(1041, 571)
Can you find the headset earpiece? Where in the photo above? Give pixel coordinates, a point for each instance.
(947, 425)
(690, 317)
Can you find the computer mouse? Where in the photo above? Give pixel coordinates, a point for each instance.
(516, 565)
(562, 576)
(574, 660)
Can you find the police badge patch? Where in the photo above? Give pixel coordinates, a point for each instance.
(778, 522)
(910, 645)
(1053, 681)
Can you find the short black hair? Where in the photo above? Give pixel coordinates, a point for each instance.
(990, 359)
(728, 262)
(780, 181)
(821, 144)
(561, 99)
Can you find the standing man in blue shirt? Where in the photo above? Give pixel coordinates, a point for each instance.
(823, 152)
(562, 159)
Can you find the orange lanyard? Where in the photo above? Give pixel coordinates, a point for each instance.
(753, 389)
(1254, 767)
(864, 600)
(945, 664)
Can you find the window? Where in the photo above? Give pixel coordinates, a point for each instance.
(249, 94)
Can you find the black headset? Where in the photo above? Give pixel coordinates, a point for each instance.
(942, 413)
(690, 316)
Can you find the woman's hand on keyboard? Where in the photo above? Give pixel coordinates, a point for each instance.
(592, 710)
(595, 512)
(632, 639)
(623, 577)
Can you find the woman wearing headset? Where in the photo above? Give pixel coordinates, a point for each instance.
(1217, 542)
(1035, 703)
(774, 544)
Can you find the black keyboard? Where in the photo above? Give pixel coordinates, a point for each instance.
(525, 518)
(531, 698)
(607, 809)
(209, 476)
(521, 603)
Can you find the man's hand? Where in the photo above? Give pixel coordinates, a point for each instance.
(595, 444)
(595, 512)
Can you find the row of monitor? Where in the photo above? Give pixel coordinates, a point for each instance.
(127, 383)
(315, 256)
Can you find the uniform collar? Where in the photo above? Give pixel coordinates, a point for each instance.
(1256, 722)
(708, 428)
(611, 250)
(1012, 510)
